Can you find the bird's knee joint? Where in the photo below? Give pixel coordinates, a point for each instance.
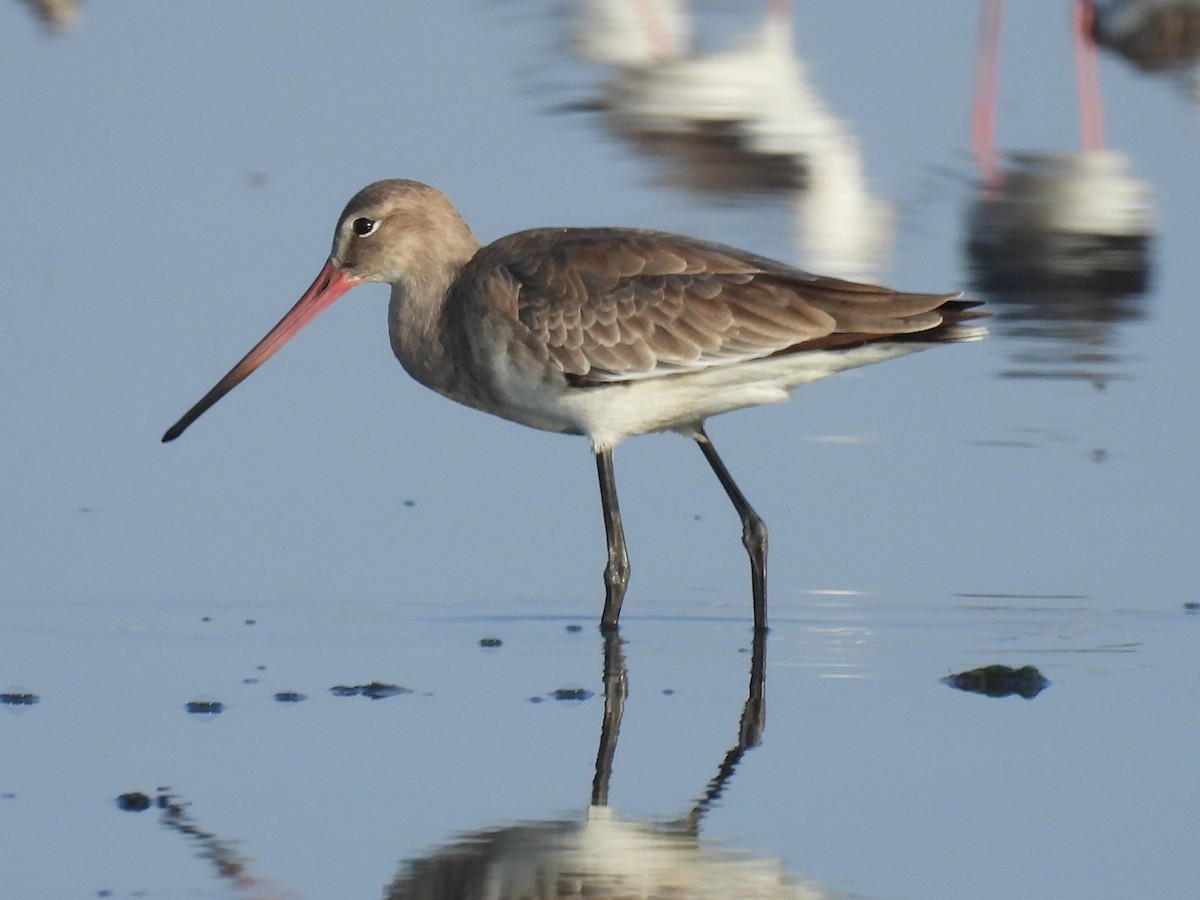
(616, 573)
(754, 534)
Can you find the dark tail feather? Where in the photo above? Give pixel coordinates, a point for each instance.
(952, 329)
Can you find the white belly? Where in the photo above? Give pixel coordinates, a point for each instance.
(609, 413)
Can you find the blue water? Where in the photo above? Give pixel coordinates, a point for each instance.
(1028, 500)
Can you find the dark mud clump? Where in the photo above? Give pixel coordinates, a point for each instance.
(375, 690)
(19, 698)
(571, 694)
(1000, 681)
(205, 707)
(134, 801)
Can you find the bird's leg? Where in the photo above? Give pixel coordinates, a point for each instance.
(754, 529)
(616, 573)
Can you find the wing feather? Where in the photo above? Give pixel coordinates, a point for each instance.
(619, 304)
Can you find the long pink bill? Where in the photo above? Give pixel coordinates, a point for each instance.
(331, 283)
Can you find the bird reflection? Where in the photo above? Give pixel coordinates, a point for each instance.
(1059, 243)
(1061, 249)
(56, 15)
(230, 864)
(630, 33)
(1154, 35)
(601, 855)
(738, 122)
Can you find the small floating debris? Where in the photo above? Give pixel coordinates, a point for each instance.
(1000, 681)
(537, 699)
(19, 698)
(490, 642)
(668, 692)
(571, 694)
(290, 697)
(252, 621)
(375, 690)
(249, 681)
(205, 707)
(134, 801)
(574, 629)
(1192, 606)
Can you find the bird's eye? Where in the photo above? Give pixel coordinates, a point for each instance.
(364, 226)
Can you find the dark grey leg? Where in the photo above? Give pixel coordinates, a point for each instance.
(754, 530)
(616, 573)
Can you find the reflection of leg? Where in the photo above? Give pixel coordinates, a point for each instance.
(750, 729)
(616, 689)
(754, 530)
(754, 715)
(1087, 76)
(616, 572)
(983, 107)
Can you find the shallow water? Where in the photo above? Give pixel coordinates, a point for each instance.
(1028, 500)
(872, 779)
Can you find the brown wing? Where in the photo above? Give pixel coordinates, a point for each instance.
(618, 304)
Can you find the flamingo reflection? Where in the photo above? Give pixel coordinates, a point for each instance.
(1059, 241)
(58, 16)
(741, 121)
(1154, 35)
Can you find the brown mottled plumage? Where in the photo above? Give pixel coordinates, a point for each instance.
(616, 304)
(605, 332)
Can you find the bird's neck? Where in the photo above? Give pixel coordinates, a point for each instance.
(417, 323)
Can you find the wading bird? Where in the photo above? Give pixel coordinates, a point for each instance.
(604, 332)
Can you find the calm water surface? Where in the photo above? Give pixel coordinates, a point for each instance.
(1028, 500)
